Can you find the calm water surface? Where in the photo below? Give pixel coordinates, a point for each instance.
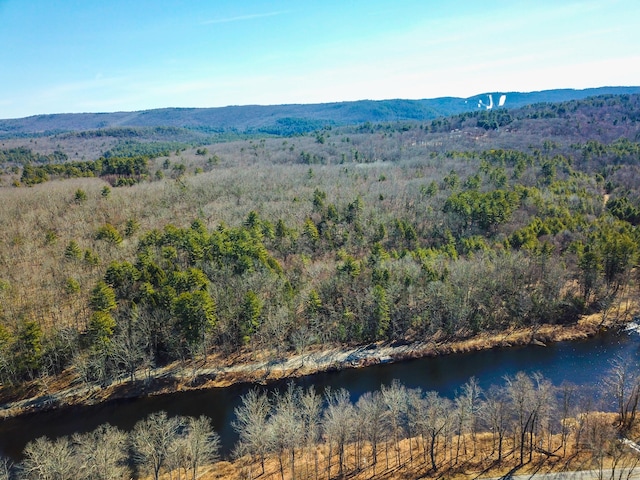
(584, 363)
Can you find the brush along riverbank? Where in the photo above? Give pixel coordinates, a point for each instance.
(262, 367)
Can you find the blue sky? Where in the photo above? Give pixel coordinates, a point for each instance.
(116, 55)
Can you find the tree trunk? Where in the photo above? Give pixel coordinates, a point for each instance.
(432, 453)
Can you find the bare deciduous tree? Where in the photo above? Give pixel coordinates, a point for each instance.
(152, 439)
(624, 382)
(251, 425)
(395, 398)
(371, 410)
(337, 426)
(496, 413)
(532, 400)
(310, 411)
(6, 468)
(49, 460)
(202, 444)
(103, 453)
(284, 424)
(434, 417)
(467, 406)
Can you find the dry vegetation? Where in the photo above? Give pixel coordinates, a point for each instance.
(481, 464)
(426, 233)
(466, 233)
(524, 427)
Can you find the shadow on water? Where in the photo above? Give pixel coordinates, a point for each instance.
(583, 363)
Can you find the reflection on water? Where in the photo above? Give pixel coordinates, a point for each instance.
(584, 363)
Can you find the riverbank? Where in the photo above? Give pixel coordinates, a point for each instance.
(464, 457)
(264, 367)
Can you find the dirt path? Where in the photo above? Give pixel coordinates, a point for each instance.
(623, 473)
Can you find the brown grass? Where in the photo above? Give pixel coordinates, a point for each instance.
(469, 466)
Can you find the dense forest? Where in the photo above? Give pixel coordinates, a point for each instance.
(153, 251)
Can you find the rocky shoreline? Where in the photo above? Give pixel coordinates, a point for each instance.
(266, 367)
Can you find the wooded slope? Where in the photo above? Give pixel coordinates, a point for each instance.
(149, 251)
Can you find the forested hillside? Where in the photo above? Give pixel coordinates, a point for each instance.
(126, 251)
(284, 119)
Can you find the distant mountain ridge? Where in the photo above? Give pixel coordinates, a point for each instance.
(289, 119)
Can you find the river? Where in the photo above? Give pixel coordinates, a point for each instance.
(584, 363)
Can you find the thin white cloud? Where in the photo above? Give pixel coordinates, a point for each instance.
(243, 18)
(99, 81)
(542, 46)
